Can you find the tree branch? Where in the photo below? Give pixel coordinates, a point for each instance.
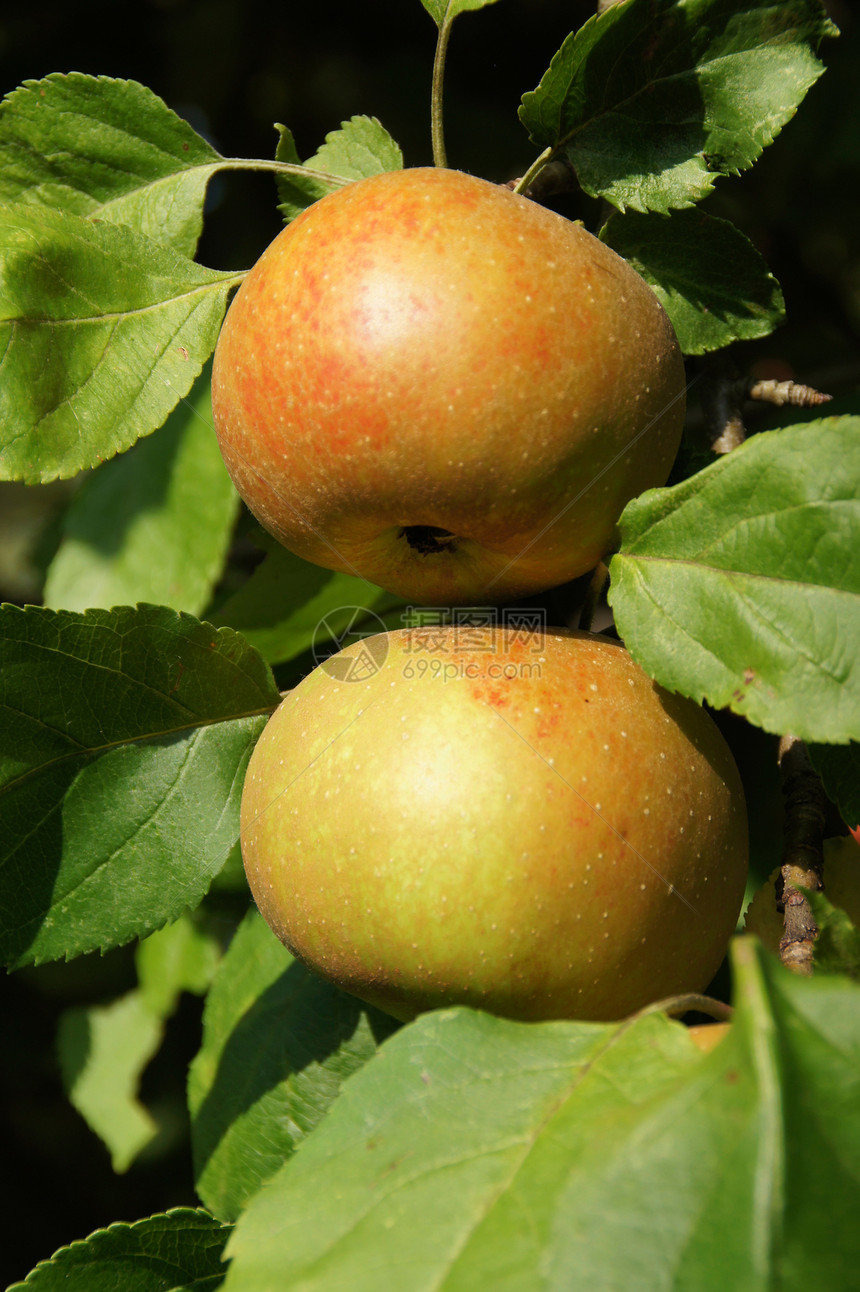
(802, 858)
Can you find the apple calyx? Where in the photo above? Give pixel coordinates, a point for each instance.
(428, 540)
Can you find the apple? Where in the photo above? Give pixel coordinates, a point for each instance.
(524, 823)
(438, 385)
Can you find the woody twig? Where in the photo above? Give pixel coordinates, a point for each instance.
(802, 860)
(725, 390)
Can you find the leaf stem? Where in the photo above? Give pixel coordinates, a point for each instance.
(437, 129)
(282, 168)
(676, 1005)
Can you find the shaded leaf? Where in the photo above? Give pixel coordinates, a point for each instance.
(101, 147)
(474, 1152)
(102, 331)
(179, 1251)
(362, 147)
(125, 738)
(839, 769)
(183, 956)
(151, 525)
(288, 604)
(741, 585)
(652, 99)
(709, 278)
(306, 1038)
(837, 947)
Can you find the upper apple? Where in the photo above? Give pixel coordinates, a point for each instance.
(445, 388)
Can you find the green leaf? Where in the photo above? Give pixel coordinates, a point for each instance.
(125, 735)
(741, 585)
(151, 525)
(652, 99)
(179, 1251)
(837, 947)
(710, 279)
(102, 147)
(102, 332)
(182, 956)
(473, 1152)
(445, 11)
(839, 769)
(361, 148)
(103, 1051)
(296, 192)
(281, 607)
(306, 1038)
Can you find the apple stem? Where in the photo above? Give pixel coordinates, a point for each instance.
(524, 184)
(437, 130)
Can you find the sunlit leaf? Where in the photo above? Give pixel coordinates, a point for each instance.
(741, 585)
(361, 148)
(101, 147)
(473, 1152)
(102, 332)
(653, 99)
(103, 1051)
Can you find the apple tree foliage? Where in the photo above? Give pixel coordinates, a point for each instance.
(460, 1151)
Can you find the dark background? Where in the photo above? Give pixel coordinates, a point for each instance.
(233, 67)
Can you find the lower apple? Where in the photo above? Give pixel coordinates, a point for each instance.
(519, 822)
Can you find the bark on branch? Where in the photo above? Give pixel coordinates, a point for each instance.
(802, 858)
(724, 392)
